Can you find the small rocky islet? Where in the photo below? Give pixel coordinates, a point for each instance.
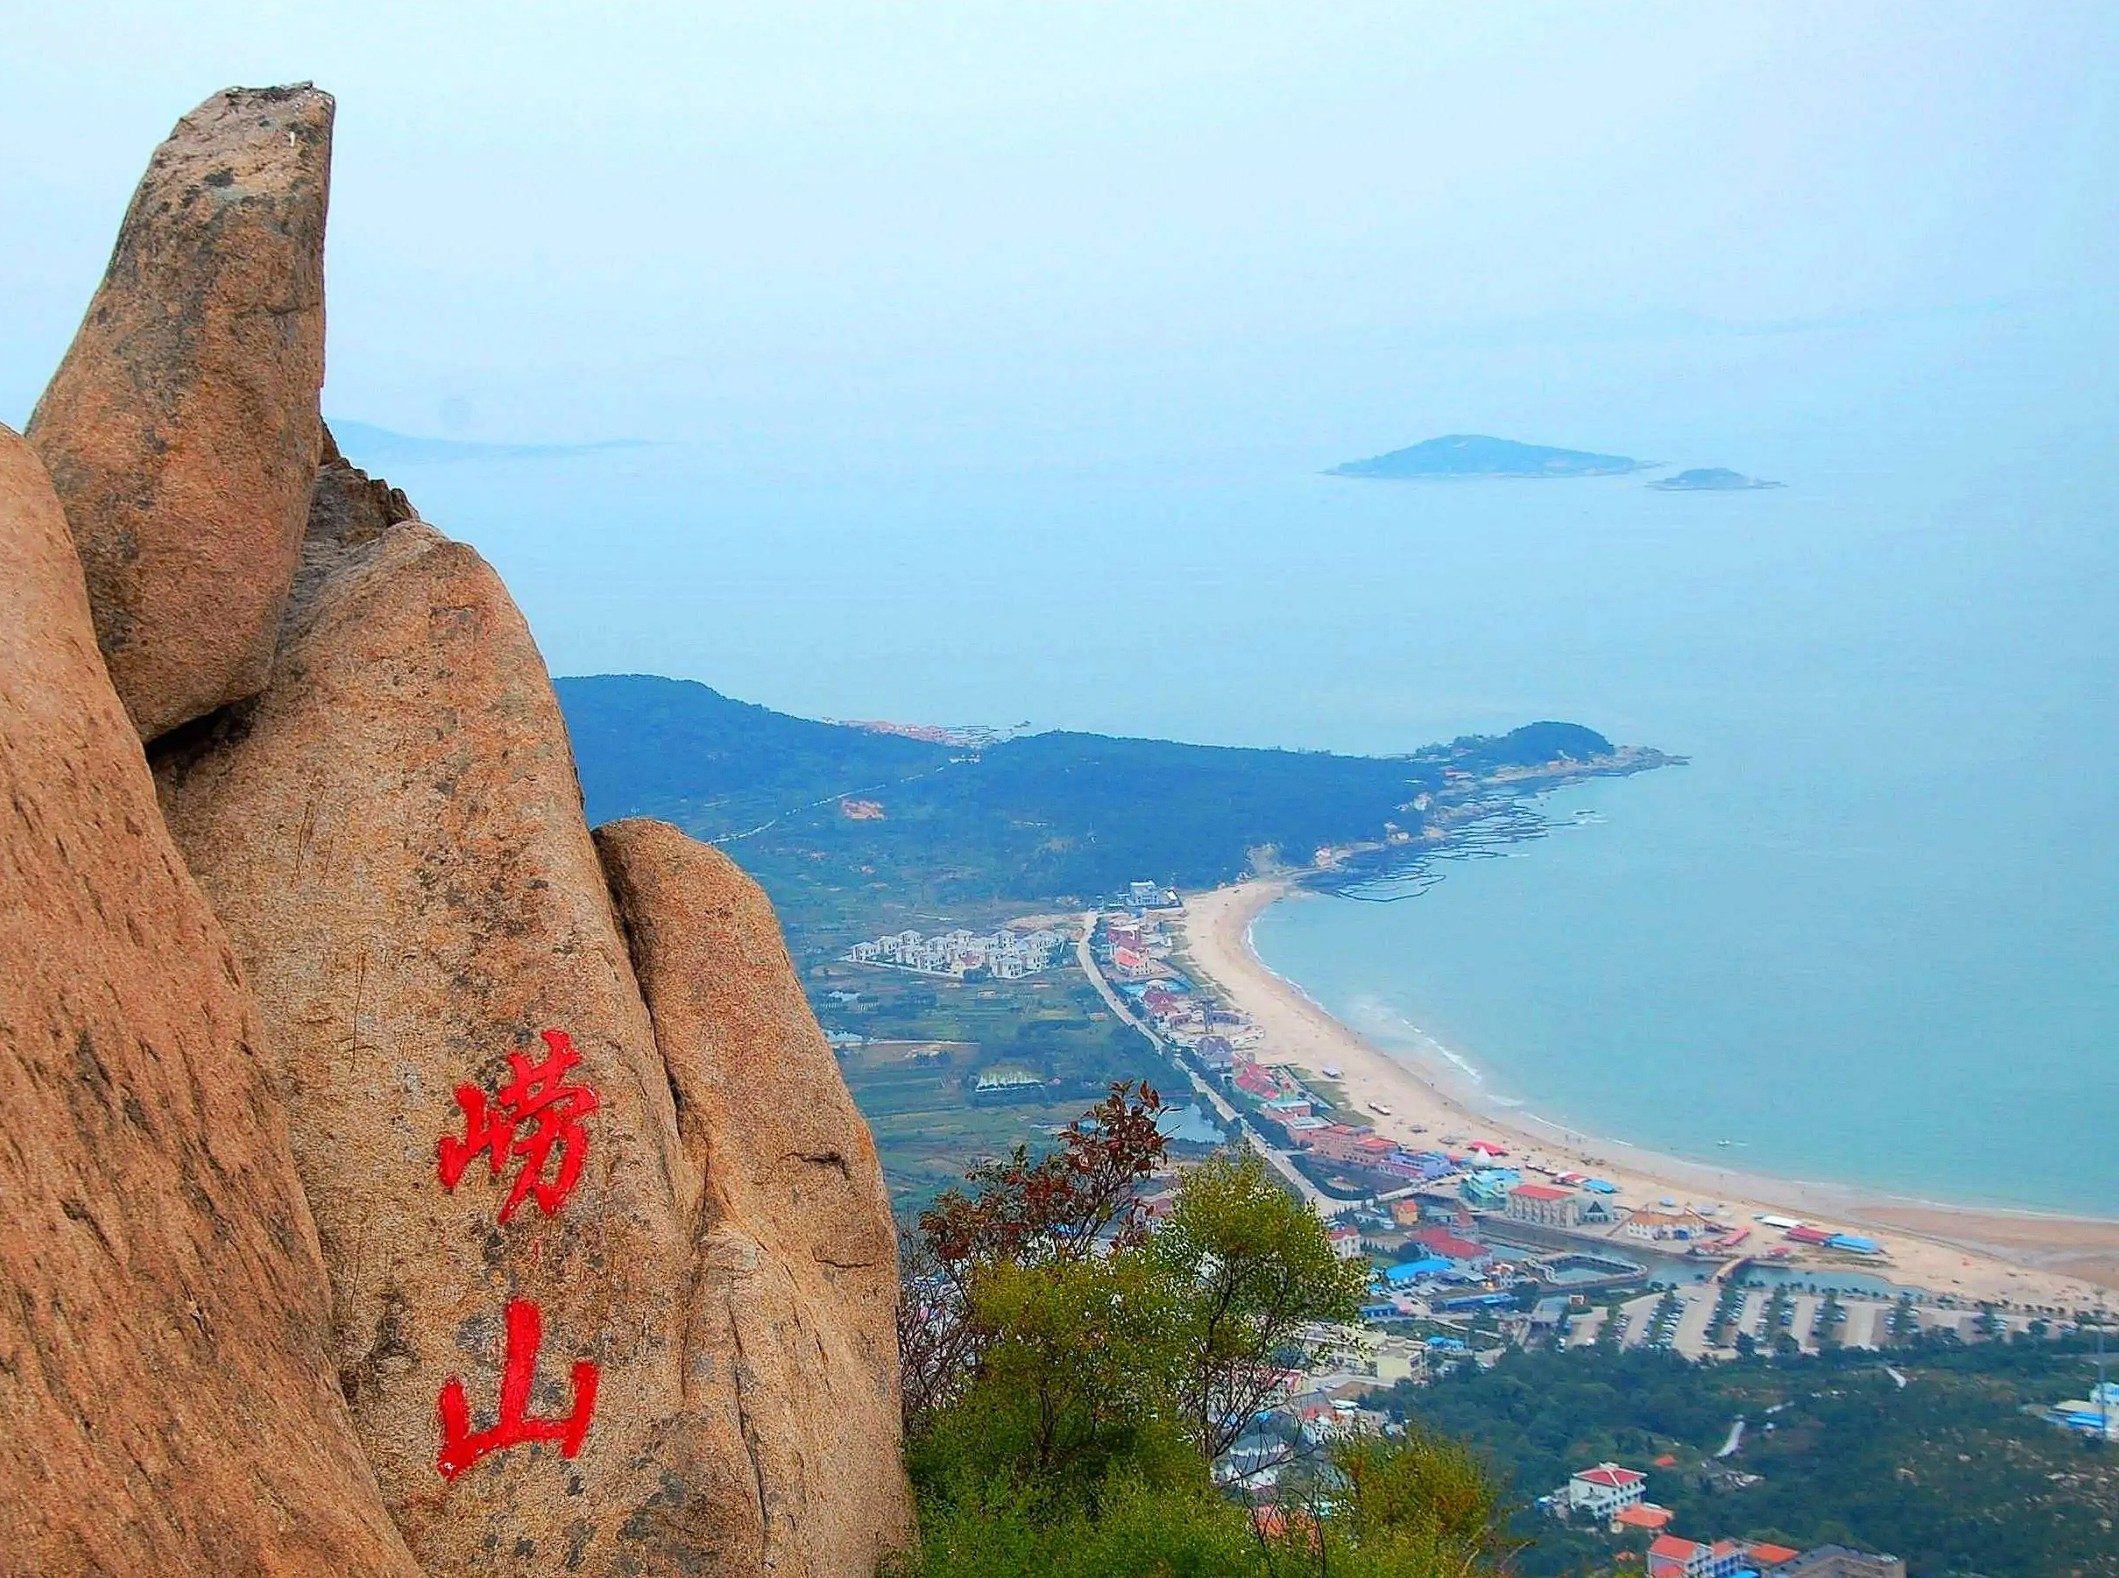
(1710, 479)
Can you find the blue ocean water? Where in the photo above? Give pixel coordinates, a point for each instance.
(1871, 933)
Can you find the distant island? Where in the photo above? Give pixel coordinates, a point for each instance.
(1710, 479)
(1473, 455)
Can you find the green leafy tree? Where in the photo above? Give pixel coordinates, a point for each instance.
(1081, 1368)
(1257, 1274)
(1420, 1504)
(1077, 1375)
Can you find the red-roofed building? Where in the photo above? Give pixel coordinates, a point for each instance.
(1464, 1251)
(1644, 1515)
(1765, 1557)
(1605, 1490)
(1544, 1205)
(1340, 1143)
(1672, 1557)
(1274, 1523)
(1346, 1240)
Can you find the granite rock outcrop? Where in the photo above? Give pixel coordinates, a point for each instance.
(181, 428)
(797, 1267)
(407, 1182)
(165, 1404)
(392, 833)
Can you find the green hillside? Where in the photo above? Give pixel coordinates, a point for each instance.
(1040, 819)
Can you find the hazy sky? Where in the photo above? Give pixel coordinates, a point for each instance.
(1015, 234)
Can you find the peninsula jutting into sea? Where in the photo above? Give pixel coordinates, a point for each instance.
(964, 1032)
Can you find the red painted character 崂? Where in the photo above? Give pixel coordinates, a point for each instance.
(461, 1446)
(535, 1112)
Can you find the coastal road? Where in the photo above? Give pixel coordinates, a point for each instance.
(1320, 1202)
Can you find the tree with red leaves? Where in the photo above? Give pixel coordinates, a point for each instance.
(1056, 1208)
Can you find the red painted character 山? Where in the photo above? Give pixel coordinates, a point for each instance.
(534, 1112)
(461, 1446)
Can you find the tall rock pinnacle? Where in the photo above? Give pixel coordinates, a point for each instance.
(181, 429)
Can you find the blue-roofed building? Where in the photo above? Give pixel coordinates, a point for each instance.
(1489, 1187)
(1599, 1186)
(1476, 1301)
(1419, 1166)
(1854, 1242)
(1413, 1270)
(2094, 1415)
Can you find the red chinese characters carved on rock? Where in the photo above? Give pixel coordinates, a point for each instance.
(535, 1112)
(461, 1446)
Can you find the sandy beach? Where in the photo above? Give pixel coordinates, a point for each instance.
(2024, 1259)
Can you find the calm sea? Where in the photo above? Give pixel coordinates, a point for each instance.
(1870, 934)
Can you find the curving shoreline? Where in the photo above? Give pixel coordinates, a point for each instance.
(1974, 1253)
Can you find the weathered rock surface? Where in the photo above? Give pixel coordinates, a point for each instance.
(165, 1404)
(348, 513)
(798, 1268)
(393, 835)
(181, 430)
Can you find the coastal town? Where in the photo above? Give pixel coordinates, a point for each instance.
(1484, 1246)
(1480, 1242)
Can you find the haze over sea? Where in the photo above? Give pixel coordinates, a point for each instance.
(1870, 935)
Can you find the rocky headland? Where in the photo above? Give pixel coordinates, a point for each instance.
(404, 1178)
